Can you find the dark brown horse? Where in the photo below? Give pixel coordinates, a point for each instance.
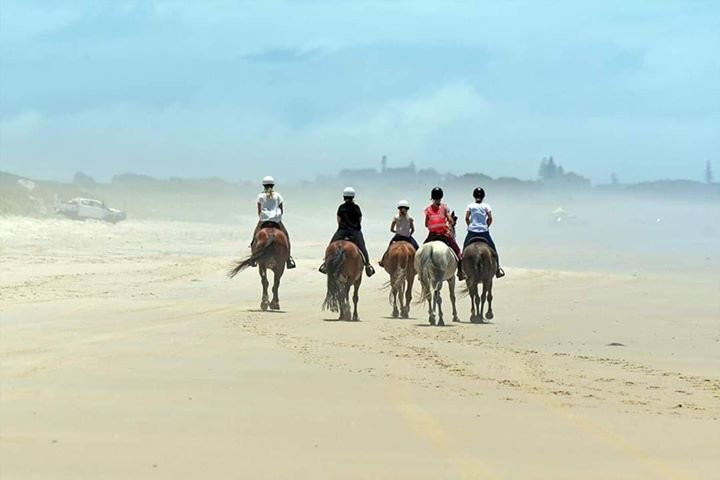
(344, 266)
(399, 263)
(270, 250)
(480, 267)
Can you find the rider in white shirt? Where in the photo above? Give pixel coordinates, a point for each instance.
(478, 217)
(270, 209)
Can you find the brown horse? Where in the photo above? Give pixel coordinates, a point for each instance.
(479, 266)
(399, 264)
(270, 250)
(344, 264)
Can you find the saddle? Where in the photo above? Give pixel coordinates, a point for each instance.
(480, 239)
(269, 224)
(436, 237)
(348, 238)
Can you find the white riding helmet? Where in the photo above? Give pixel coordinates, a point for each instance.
(349, 192)
(403, 204)
(268, 181)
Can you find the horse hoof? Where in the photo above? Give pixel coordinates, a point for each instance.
(431, 320)
(404, 315)
(274, 306)
(489, 316)
(356, 318)
(456, 319)
(264, 306)
(441, 323)
(395, 314)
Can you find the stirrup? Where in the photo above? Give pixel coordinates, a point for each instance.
(369, 270)
(322, 269)
(500, 273)
(290, 263)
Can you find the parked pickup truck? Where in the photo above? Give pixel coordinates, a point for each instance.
(88, 208)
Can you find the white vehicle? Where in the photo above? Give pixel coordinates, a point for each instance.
(89, 208)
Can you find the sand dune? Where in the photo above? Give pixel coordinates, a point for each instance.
(127, 353)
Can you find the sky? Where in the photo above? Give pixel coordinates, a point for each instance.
(242, 89)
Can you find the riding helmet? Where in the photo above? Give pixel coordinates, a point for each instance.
(479, 193)
(349, 192)
(436, 193)
(268, 181)
(403, 204)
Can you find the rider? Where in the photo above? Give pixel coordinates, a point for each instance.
(270, 209)
(440, 223)
(349, 218)
(403, 226)
(479, 217)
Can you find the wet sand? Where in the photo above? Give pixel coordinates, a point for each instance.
(127, 353)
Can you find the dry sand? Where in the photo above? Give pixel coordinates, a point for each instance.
(126, 353)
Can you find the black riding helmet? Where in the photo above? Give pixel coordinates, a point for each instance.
(479, 193)
(436, 193)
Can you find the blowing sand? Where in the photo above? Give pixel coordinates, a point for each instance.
(126, 353)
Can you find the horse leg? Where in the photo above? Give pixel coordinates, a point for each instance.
(277, 275)
(431, 308)
(438, 303)
(482, 301)
(489, 284)
(345, 308)
(472, 290)
(394, 293)
(265, 283)
(451, 285)
(355, 301)
(408, 297)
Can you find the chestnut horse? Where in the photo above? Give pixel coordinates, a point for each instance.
(344, 264)
(399, 264)
(270, 251)
(479, 266)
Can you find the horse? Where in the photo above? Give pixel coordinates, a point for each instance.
(399, 263)
(435, 263)
(480, 266)
(270, 250)
(344, 266)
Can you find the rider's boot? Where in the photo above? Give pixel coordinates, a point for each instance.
(291, 263)
(369, 270)
(460, 273)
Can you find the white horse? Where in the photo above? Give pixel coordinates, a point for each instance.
(435, 263)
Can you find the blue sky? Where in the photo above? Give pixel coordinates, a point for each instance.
(294, 89)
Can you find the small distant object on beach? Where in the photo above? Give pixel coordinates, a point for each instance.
(89, 209)
(615, 344)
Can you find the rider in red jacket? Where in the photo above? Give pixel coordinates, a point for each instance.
(441, 225)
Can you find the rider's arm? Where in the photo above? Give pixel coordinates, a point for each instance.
(467, 217)
(489, 219)
(259, 209)
(412, 226)
(392, 225)
(282, 208)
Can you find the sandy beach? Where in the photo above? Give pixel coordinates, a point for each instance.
(127, 353)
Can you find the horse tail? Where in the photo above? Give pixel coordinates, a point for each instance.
(263, 254)
(426, 274)
(335, 285)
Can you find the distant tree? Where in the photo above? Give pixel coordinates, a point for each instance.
(83, 180)
(708, 172)
(614, 179)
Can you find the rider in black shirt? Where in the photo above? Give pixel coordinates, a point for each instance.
(349, 217)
